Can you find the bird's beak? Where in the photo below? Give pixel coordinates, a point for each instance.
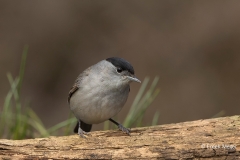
(133, 78)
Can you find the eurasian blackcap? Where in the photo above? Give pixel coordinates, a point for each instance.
(100, 92)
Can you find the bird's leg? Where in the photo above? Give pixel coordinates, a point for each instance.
(126, 130)
(80, 131)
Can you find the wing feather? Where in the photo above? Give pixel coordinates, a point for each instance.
(72, 91)
(76, 85)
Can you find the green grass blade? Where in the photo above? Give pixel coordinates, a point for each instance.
(22, 67)
(14, 85)
(144, 103)
(139, 116)
(219, 114)
(37, 123)
(15, 128)
(39, 127)
(61, 125)
(69, 128)
(148, 102)
(133, 108)
(155, 119)
(106, 125)
(7, 105)
(13, 120)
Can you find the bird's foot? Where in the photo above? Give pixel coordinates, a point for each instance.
(125, 130)
(81, 133)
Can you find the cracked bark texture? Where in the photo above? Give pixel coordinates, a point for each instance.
(217, 138)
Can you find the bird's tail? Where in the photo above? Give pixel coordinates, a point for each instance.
(84, 126)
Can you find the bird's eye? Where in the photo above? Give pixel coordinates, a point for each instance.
(119, 70)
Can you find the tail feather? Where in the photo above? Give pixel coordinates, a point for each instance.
(84, 126)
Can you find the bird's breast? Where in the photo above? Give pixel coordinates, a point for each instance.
(98, 101)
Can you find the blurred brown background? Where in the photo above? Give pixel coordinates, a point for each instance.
(193, 46)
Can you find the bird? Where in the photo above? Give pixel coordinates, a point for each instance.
(100, 92)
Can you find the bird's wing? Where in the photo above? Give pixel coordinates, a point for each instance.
(76, 85)
(73, 90)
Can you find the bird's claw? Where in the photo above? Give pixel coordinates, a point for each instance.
(81, 133)
(125, 130)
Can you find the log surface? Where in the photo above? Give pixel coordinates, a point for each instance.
(217, 138)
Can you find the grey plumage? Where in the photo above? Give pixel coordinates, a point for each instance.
(100, 92)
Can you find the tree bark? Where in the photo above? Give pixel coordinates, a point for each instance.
(217, 138)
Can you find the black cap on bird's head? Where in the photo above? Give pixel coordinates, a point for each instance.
(123, 65)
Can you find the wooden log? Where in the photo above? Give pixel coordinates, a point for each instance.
(217, 138)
